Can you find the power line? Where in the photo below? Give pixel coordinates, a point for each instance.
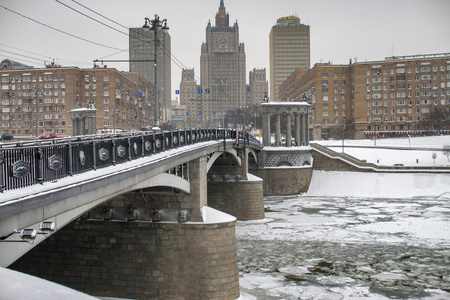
(168, 53)
(9, 52)
(56, 29)
(91, 18)
(91, 10)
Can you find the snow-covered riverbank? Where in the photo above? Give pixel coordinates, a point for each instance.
(354, 235)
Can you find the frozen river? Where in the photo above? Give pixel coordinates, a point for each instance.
(311, 247)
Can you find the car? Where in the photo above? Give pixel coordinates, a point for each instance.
(398, 165)
(48, 135)
(5, 136)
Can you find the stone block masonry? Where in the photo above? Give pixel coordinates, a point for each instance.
(284, 180)
(242, 198)
(140, 260)
(144, 258)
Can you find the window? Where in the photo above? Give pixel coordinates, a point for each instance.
(325, 114)
(105, 78)
(106, 93)
(324, 75)
(324, 98)
(425, 68)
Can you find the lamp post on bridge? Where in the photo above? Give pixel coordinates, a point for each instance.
(156, 26)
(36, 90)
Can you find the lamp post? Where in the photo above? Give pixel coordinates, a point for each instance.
(114, 111)
(36, 91)
(156, 25)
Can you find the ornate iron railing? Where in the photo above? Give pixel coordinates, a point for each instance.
(27, 164)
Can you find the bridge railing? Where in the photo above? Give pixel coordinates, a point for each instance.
(29, 163)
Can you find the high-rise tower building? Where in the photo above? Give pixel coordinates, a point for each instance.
(141, 43)
(289, 47)
(222, 69)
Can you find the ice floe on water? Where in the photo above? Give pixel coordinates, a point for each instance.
(346, 248)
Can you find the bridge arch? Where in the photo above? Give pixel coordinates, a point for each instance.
(167, 180)
(217, 154)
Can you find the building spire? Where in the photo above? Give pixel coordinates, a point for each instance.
(222, 18)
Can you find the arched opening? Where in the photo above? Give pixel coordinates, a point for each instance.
(284, 164)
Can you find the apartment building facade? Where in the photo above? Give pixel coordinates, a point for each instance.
(38, 100)
(408, 95)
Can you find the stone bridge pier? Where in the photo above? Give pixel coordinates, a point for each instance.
(232, 189)
(157, 242)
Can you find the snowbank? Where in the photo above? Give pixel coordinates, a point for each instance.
(378, 185)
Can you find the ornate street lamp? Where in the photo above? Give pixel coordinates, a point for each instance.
(36, 90)
(156, 25)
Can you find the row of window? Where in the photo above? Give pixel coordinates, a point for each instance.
(28, 78)
(9, 102)
(410, 102)
(335, 75)
(408, 78)
(336, 91)
(31, 125)
(325, 105)
(423, 85)
(94, 78)
(377, 70)
(433, 94)
(336, 82)
(336, 114)
(423, 110)
(335, 98)
(31, 109)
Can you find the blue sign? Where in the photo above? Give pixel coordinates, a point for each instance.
(199, 113)
(187, 113)
(207, 91)
(139, 93)
(177, 92)
(235, 112)
(200, 91)
(229, 112)
(214, 113)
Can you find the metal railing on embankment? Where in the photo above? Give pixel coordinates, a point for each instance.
(363, 165)
(28, 163)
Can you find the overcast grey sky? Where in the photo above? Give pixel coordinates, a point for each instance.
(340, 29)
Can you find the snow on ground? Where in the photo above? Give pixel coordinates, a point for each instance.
(383, 185)
(355, 235)
(376, 152)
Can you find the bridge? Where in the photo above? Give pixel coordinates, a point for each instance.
(86, 211)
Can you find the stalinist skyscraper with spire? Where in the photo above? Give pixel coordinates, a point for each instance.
(222, 69)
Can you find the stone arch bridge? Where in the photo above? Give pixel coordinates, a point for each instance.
(130, 216)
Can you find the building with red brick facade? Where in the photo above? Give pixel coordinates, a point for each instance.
(398, 96)
(123, 100)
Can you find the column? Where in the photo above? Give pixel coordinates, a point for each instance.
(266, 128)
(302, 129)
(288, 129)
(297, 129)
(92, 126)
(277, 130)
(306, 129)
(75, 126)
